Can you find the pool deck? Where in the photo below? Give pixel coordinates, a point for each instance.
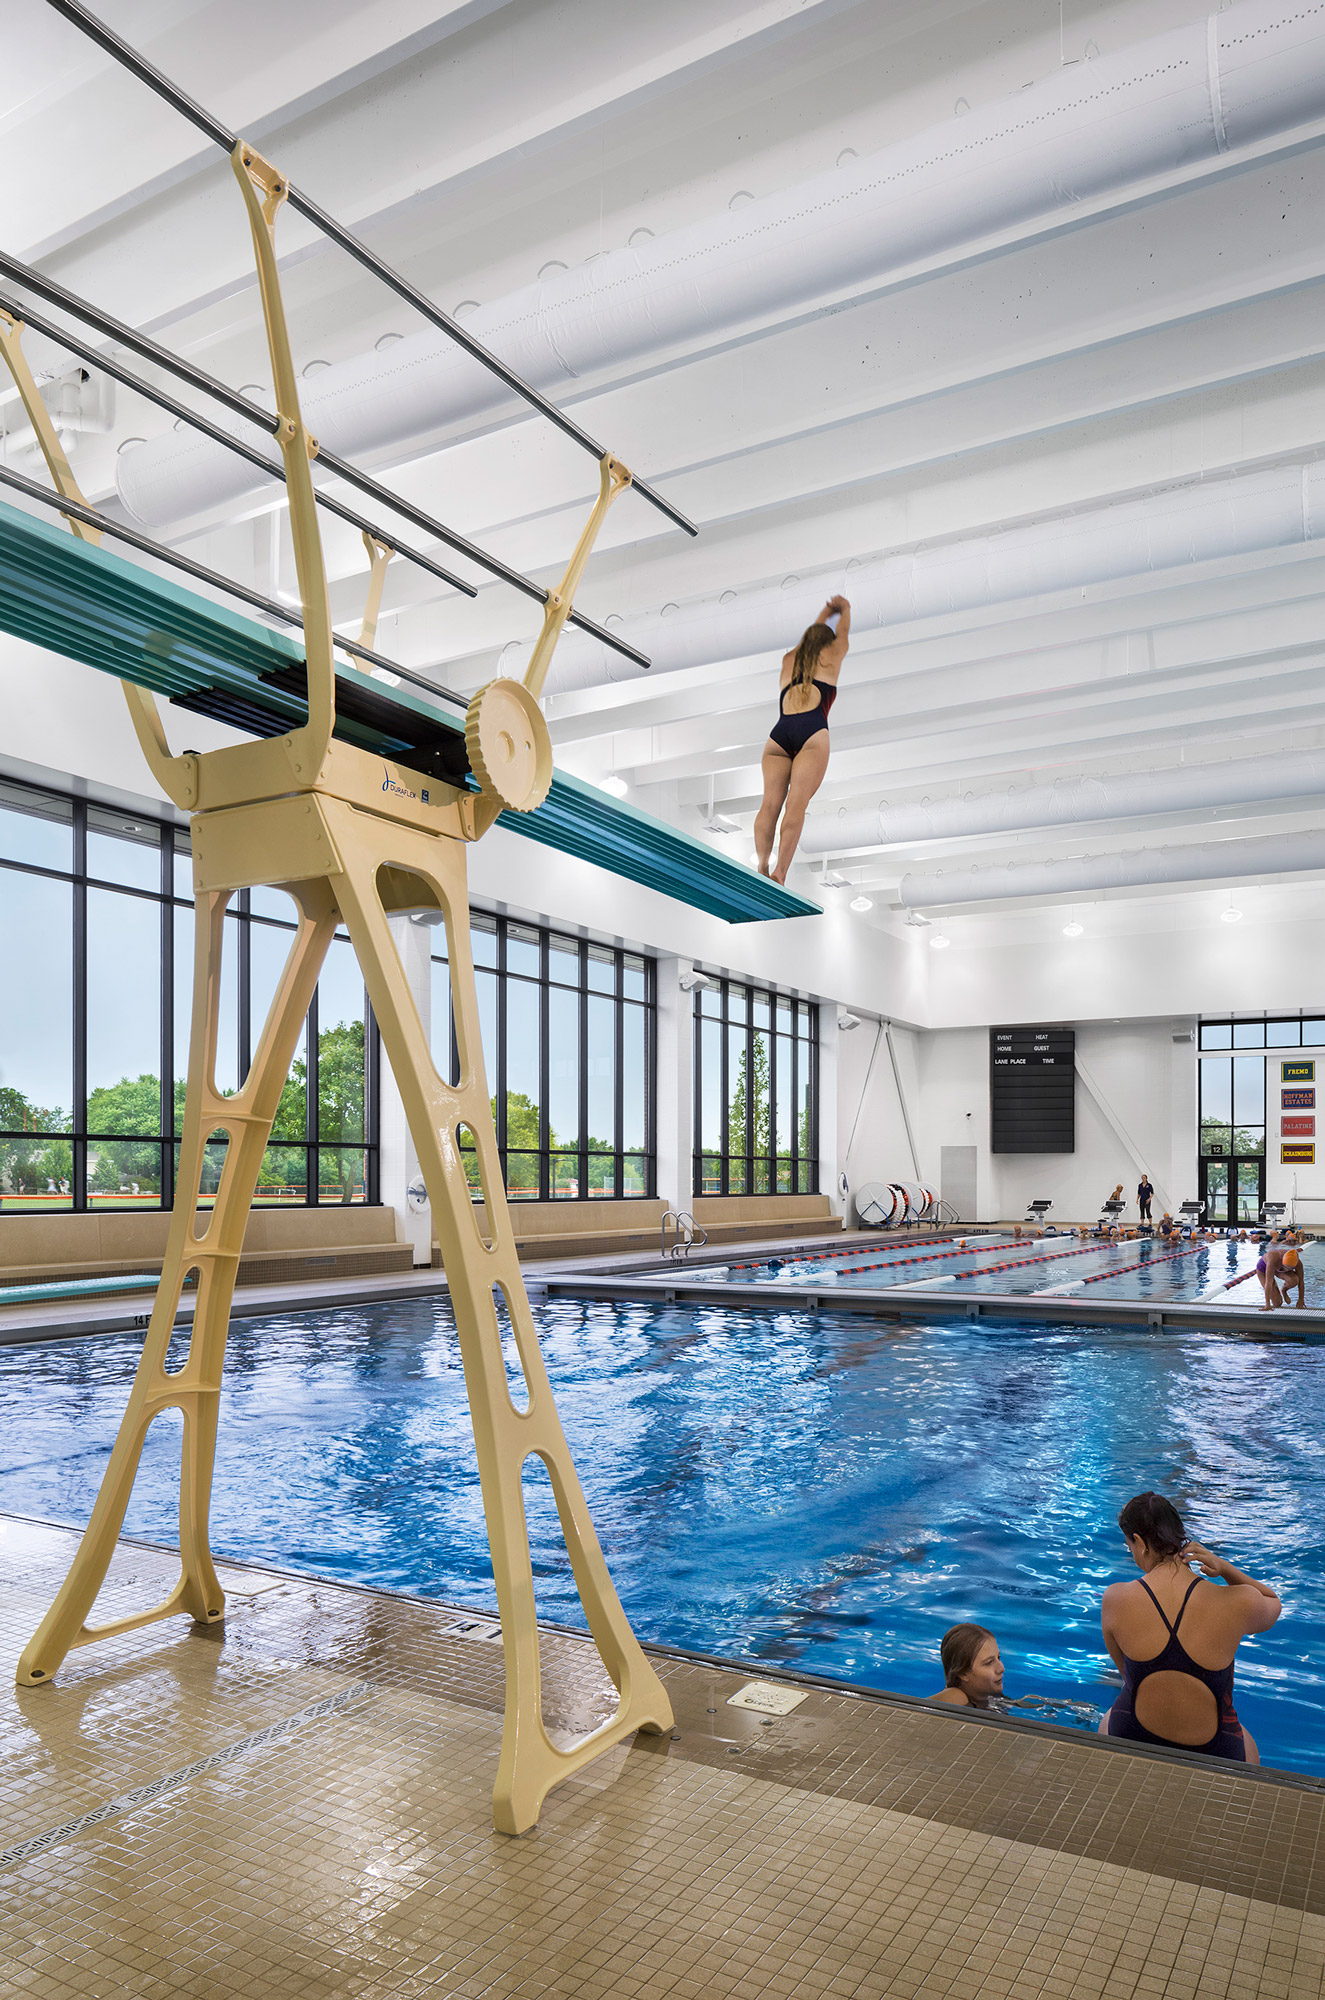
(624, 1275)
(297, 1804)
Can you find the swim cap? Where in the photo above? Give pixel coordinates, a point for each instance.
(1290, 1260)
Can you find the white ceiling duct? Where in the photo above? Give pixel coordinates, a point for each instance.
(1291, 774)
(1206, 861)
(1185, 524)
(1157, 106)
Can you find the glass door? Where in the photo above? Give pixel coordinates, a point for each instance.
(1215, 1189)
(1250, 1191)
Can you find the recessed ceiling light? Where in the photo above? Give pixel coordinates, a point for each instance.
(1074, 929)
(1230, 916)
(939, 942)
(615, 787)
(862, 903)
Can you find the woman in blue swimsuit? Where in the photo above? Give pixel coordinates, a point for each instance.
(1178, 1690)
(796, 753)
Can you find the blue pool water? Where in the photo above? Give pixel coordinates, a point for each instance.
(787, 1488)
(1047, 1267)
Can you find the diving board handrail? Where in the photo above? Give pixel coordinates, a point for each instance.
(188, 108)
(253, 413)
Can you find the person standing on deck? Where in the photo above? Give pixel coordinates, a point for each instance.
(1145, 1194)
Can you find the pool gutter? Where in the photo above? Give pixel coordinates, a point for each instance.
(1192, 1760)
(911, 1302)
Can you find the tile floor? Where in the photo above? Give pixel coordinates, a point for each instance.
(298, 1805)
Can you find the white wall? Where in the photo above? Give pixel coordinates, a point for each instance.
(1147, 1116)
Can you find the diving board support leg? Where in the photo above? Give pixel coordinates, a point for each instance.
(482, 1267)
(211, 1246)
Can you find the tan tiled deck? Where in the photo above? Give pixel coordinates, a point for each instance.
(299, 1805)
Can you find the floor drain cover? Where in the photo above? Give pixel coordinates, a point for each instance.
(247, 1583)
(768, 1697)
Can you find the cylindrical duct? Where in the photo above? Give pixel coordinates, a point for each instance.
(1154, 107)
(1195, 523)
(1206, 861)
(1074, 802)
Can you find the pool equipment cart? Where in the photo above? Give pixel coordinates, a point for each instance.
(353, 836)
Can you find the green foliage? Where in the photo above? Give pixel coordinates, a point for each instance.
(32, 1166)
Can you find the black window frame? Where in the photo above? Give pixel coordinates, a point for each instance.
(763, 1167)
(486, 922)
(171, 838)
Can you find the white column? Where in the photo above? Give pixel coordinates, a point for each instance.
(399, 1163)
(830, 1166)
(676, 1085)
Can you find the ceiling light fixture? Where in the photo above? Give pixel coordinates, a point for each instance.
(1074, 929)
(616, 788)
(1230, 916)
(915, 922)
(940, 941)
(862, 903)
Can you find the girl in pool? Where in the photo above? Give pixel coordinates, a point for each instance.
(972, 1669)
(796, 753)
(1182, 1694)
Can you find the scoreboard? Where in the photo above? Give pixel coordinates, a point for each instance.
(1032, 1090)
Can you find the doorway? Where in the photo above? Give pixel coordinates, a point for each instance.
(1233, 1191)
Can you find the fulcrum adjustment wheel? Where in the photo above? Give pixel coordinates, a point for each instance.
(510, 751)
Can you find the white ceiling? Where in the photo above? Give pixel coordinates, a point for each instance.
(474, 144)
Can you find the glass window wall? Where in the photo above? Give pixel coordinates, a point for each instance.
(756, 1092)
(568, 1039)
(95, 911)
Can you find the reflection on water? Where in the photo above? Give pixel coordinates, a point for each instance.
(1055, 1265)
(778, 1486)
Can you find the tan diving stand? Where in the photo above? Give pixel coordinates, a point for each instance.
(354, 840)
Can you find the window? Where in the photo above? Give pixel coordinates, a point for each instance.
(756, 1092)
(1283, 1033)
(96, 914)
(568, 1038)
(1232, 1109)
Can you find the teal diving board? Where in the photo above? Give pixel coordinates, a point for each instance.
(89, 604)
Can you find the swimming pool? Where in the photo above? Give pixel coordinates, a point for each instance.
(781, 1487)
(1048, 1267)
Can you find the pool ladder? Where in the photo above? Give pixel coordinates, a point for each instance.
(686, 1233)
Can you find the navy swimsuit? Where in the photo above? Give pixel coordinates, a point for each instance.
(792, 732)
(1228, 1740)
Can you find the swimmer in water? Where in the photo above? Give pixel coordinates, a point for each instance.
(796, 753)
(972, 1668)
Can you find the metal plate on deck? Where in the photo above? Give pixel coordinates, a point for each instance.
(768, 1697)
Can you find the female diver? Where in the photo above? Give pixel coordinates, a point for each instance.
(796, 753)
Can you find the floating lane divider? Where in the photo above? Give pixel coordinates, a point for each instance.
(1162, 1257)
(817, 1257)
(1021, 1264)
(896, 1263)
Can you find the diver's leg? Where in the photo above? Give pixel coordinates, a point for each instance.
(807, 774)
(777, 769)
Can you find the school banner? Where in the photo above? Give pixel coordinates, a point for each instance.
(1297, 1072)
(1297, 1128)
(1297, 1156)
(1297, 1100)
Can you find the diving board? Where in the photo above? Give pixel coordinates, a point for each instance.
(360, 799)
(97, 607)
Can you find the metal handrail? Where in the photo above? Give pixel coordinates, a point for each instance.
(688, 1234)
